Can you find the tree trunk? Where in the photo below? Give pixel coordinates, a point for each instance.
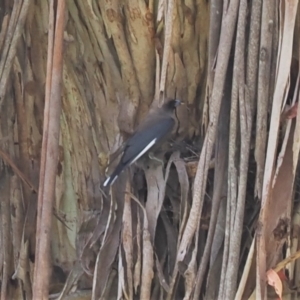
(179, 231)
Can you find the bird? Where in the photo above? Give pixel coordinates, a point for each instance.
(149, 135)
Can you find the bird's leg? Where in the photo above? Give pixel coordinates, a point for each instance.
(152, 157)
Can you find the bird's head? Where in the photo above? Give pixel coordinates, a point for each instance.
(172, 104)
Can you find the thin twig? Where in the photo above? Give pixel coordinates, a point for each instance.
(238, 203)
(18, 172)
(12, 47)
(228, 28)
(49, 153)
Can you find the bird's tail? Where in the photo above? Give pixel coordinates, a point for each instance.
(113, 177)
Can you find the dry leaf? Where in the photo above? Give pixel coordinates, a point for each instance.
(274, 280)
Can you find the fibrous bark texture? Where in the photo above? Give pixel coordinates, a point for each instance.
(218, 219)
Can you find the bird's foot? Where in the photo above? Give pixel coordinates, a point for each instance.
(152, 157)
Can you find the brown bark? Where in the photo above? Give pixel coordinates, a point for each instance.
(174, 231)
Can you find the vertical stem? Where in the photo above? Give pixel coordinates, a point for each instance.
(49, 157)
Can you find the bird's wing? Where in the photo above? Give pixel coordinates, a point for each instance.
(146, 139)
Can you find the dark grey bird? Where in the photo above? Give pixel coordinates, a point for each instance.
(149, 135)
